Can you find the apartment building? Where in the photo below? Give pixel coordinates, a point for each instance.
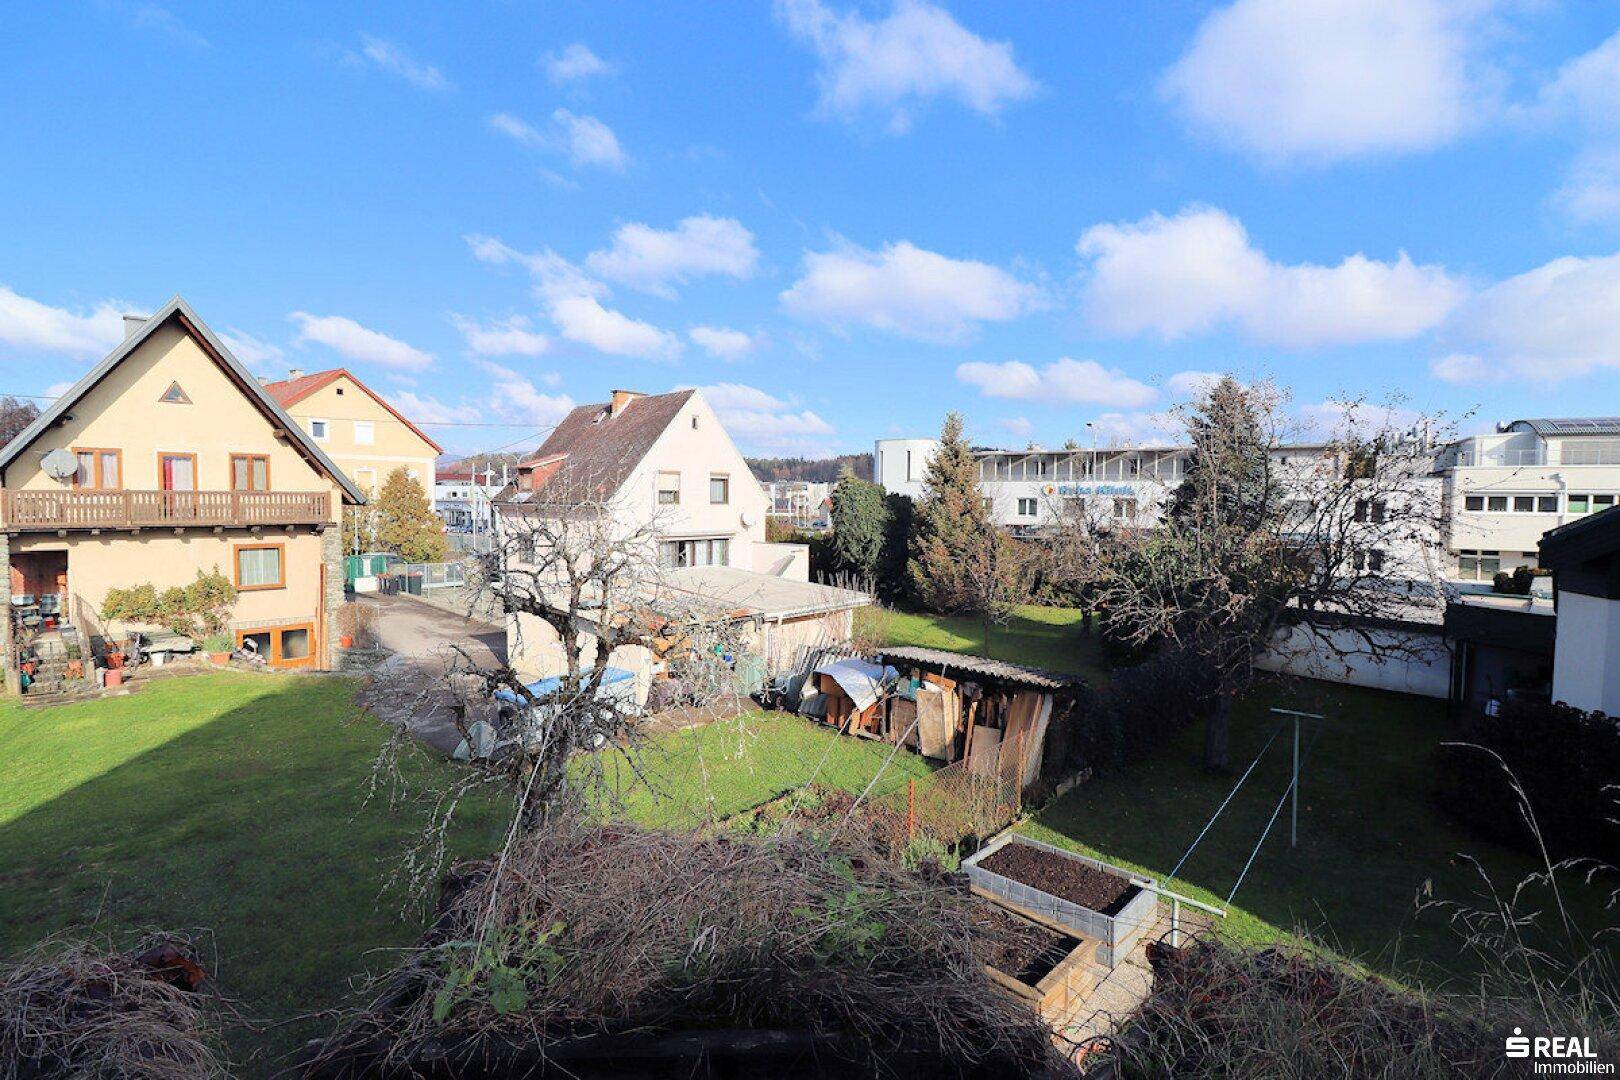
(1027, 489)
(1504, 490)
(166, 459)
(360, 431)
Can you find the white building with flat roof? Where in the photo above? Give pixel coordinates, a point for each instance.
(1504, 490)
(1497, 493)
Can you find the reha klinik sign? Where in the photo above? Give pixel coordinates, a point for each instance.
(1088, 489)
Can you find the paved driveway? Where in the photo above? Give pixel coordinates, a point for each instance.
(411, 688)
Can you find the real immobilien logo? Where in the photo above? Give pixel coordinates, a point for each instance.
(1558, 1055)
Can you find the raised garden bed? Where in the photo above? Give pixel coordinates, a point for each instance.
(1091, 898)
(1049, 970)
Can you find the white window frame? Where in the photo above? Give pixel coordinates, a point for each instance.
(365, 433)
(725, 479)
(659, 490)
(325, 432)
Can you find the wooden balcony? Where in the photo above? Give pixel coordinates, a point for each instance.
(54, 511)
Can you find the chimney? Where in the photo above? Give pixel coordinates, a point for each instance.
(133, 323)
(295, 373)
(621, 398)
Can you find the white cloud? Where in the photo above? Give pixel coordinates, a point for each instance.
(1590, 193)
(518, 129)
(349, 339)
(721, 342)
(504, 337)
(1017, 425)
(906, 290)
(899, 63)
(1459, 368)
(573, 302)
(589, 141)
(249, 349)
(1141, 428)
(1065, 380)
(1191, 384)
(57, 389)
(161, 19)
(392, 58)
(573, 64)
(1584, 96)
(1198, 272)
(655, 259)
(585, 139)
(29, 324)
(426, 409)
(761, 423)
(583, 319)
(1557, 320)
(1586, 88)
(513, 397)
(1334, 79)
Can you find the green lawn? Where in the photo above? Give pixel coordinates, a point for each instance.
(1370, 836)
(235, 805)
(1047, 637)
(226, 803)
(704, 774)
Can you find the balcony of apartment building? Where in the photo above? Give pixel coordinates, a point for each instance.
(1604, 452)
(93, 498)
(95, 510)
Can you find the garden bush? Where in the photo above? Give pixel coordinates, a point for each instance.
(1139, 710)
(1566, 761)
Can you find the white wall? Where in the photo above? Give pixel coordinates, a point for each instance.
(1586, 661)
(698, 453)
(899, 464)
(1298, 654)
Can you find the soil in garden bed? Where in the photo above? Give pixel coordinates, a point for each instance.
(1017, 947)
(1067, 879)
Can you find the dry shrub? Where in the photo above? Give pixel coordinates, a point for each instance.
(1223, 1011)
(612, 930)
(75, 1009)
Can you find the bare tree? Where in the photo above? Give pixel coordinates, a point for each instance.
(576, 577)
(1273, 542)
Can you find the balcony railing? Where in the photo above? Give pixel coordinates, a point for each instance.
(37, 511)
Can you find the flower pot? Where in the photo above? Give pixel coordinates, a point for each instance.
(220, 658)
(345, 641)
(115, 661)
(115, 676)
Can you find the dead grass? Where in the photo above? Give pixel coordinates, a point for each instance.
(584, 931)
(78, 1009)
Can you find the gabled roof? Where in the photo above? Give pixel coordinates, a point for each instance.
(1573, 425)
(289, 392)
(597, 452)
(177, 308)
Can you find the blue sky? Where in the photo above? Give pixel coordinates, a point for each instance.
(840, 219)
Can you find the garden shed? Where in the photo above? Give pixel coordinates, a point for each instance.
(968, 707)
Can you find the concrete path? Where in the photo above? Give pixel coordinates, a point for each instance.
(411, 688)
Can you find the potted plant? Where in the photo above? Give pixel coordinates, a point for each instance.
(218, 647)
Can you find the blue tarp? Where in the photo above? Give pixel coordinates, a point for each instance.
(543, 688)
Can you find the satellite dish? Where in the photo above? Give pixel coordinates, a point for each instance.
(60, 464)
(747, 520)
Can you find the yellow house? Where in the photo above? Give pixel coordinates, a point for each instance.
(169, 458)
(363, 435)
